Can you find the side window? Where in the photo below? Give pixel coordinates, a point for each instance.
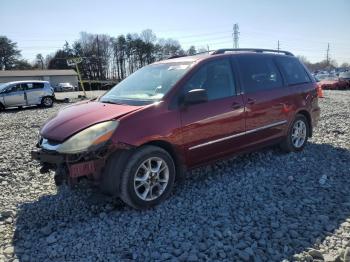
(16, 88)
(259, 73)
(31, 86)
(292, 69)
(216, 78)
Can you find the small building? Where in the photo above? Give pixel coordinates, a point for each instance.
(52, 76)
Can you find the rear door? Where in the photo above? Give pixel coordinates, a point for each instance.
(210, 129)
(14, 96)
(33, 93)
(267, 98)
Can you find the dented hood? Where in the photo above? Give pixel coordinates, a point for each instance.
(77, 117)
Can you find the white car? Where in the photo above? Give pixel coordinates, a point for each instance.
(26, 93)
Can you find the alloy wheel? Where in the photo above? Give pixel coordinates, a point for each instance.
(151, 178)
(299, 134)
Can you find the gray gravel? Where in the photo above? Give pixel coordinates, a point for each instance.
(263, 206)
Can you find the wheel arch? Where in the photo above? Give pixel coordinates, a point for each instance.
(307, 115)
(174, 153)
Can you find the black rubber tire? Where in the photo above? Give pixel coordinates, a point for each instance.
(286, 145)
(127, 192)
(43, 104)
(2, 108)
(110, 180)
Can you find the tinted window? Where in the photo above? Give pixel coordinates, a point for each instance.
(30, 86)
(259, 73)
(16, 88)
(292, 69)
(215, 77)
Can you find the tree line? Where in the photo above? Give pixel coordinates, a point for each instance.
(105, 57)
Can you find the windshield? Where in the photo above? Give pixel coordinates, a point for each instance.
(148, 84)
(326, 77)
(345, 75)
(3, 86)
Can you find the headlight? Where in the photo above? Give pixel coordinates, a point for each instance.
(90, 136)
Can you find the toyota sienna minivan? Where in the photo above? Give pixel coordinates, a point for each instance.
(172, 115)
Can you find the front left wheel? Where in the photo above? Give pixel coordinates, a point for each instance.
(148, 177)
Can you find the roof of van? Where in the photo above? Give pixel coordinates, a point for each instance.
(224, 52)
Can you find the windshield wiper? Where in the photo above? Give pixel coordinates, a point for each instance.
(111, 102)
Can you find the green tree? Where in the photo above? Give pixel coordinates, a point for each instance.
(21, 64)
(9, 53)
(191, 50)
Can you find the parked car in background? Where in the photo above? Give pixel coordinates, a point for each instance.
(26, 93)
(64, 87)
(177, 114)
(344, 78)
(331, 82)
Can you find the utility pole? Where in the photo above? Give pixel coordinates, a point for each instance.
(278, 45)
(327, 55)
(208, 48)
(235, 35)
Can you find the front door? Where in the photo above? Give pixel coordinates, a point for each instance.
(267, 99)
(210, 128)
(14, 96)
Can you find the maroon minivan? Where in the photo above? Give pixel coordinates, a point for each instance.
(180, 113)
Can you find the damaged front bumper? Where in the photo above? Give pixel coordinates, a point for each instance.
(72, 168)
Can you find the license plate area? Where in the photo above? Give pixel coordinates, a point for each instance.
(82, 169)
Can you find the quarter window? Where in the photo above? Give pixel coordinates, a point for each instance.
(216, 78)
(292, 69)
(259, 73)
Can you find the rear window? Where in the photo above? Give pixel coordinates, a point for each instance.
(293, 70)
(259, 73)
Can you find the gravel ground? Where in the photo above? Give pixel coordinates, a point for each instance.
(263, 206)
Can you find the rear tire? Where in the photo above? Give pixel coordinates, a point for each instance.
(2, 108)
(148, 177)
(47, 101)
(297, 136)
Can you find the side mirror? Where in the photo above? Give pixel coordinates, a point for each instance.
(195, 96)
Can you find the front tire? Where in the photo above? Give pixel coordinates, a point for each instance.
(148, 177)
(297, 136)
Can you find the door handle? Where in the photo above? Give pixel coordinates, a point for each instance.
(236, 106)
(251, 101)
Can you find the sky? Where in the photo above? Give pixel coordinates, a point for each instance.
(304, 27)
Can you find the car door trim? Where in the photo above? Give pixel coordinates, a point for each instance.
(239, 134)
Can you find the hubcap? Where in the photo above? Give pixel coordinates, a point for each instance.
(47, 101)
(151, 178)
(299, 134)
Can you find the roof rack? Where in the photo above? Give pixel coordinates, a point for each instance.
(256, 50)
